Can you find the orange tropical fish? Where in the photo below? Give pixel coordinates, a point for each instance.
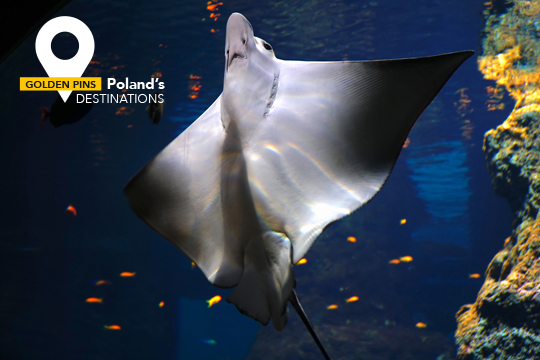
(352, 299)
(112, 327)
(332, 307)
(161, 304)
(394, 261)
(301, 261)
(351, 239)
(94, 300)
(406, 258)
(407, 143)
(403, 221)
(213, 300)
(474, 276)
(127, 274)
(70, 210)
(193, 265)
(212, 7)
(101, 282)
(421, 325)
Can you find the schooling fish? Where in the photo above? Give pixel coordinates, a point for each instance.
(63, 113)
(155, 109)
(213, 300)
(127, 274)
(94, 300)
(70, 210)
(112, 327)
(286, 149)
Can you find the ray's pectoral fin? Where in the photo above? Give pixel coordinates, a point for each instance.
(267, 279)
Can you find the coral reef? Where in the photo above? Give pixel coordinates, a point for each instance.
(504, 322)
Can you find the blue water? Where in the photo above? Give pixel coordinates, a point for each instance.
(49, 261)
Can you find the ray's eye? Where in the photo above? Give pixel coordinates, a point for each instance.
(267, 46)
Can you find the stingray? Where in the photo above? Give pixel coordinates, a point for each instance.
(286, 149)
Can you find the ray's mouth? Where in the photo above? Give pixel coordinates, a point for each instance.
(231, 59)
(235, 53)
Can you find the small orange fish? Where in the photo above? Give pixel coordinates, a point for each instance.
(161, 304)
(301, 261)
(127, 274)
(212, 7)
(193, 265)
(93, 62)
(129, 126)
(394, 261)
(352, 299)
(406, 258)
(70, 210)
(94, 300)
(474, 276)
(194, 76)
(421, 325)
(351, 239)
(112, 327)
(213, 300)
(101, 282)
(214, 30)
(332, 307)
(403, 221)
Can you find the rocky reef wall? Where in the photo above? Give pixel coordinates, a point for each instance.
(504, 322)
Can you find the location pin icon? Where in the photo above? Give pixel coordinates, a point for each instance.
(56, 67)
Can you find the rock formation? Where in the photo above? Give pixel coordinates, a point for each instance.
(504, 322)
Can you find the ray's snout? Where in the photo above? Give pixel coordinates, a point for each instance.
(238, 32)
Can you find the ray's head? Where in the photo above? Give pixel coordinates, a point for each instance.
(241, 46)
(251, 73)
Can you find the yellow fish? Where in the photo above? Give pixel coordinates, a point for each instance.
(213, 300)
(351, 239)
(474, 276)
(421, 325)
(352, 299)
(403, 221)
(406, 258)
(332, 307)
(301, 261)
(127, 274)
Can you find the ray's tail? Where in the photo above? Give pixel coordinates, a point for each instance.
(295, 302)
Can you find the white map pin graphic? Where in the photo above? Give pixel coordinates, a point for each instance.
(56, 67)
